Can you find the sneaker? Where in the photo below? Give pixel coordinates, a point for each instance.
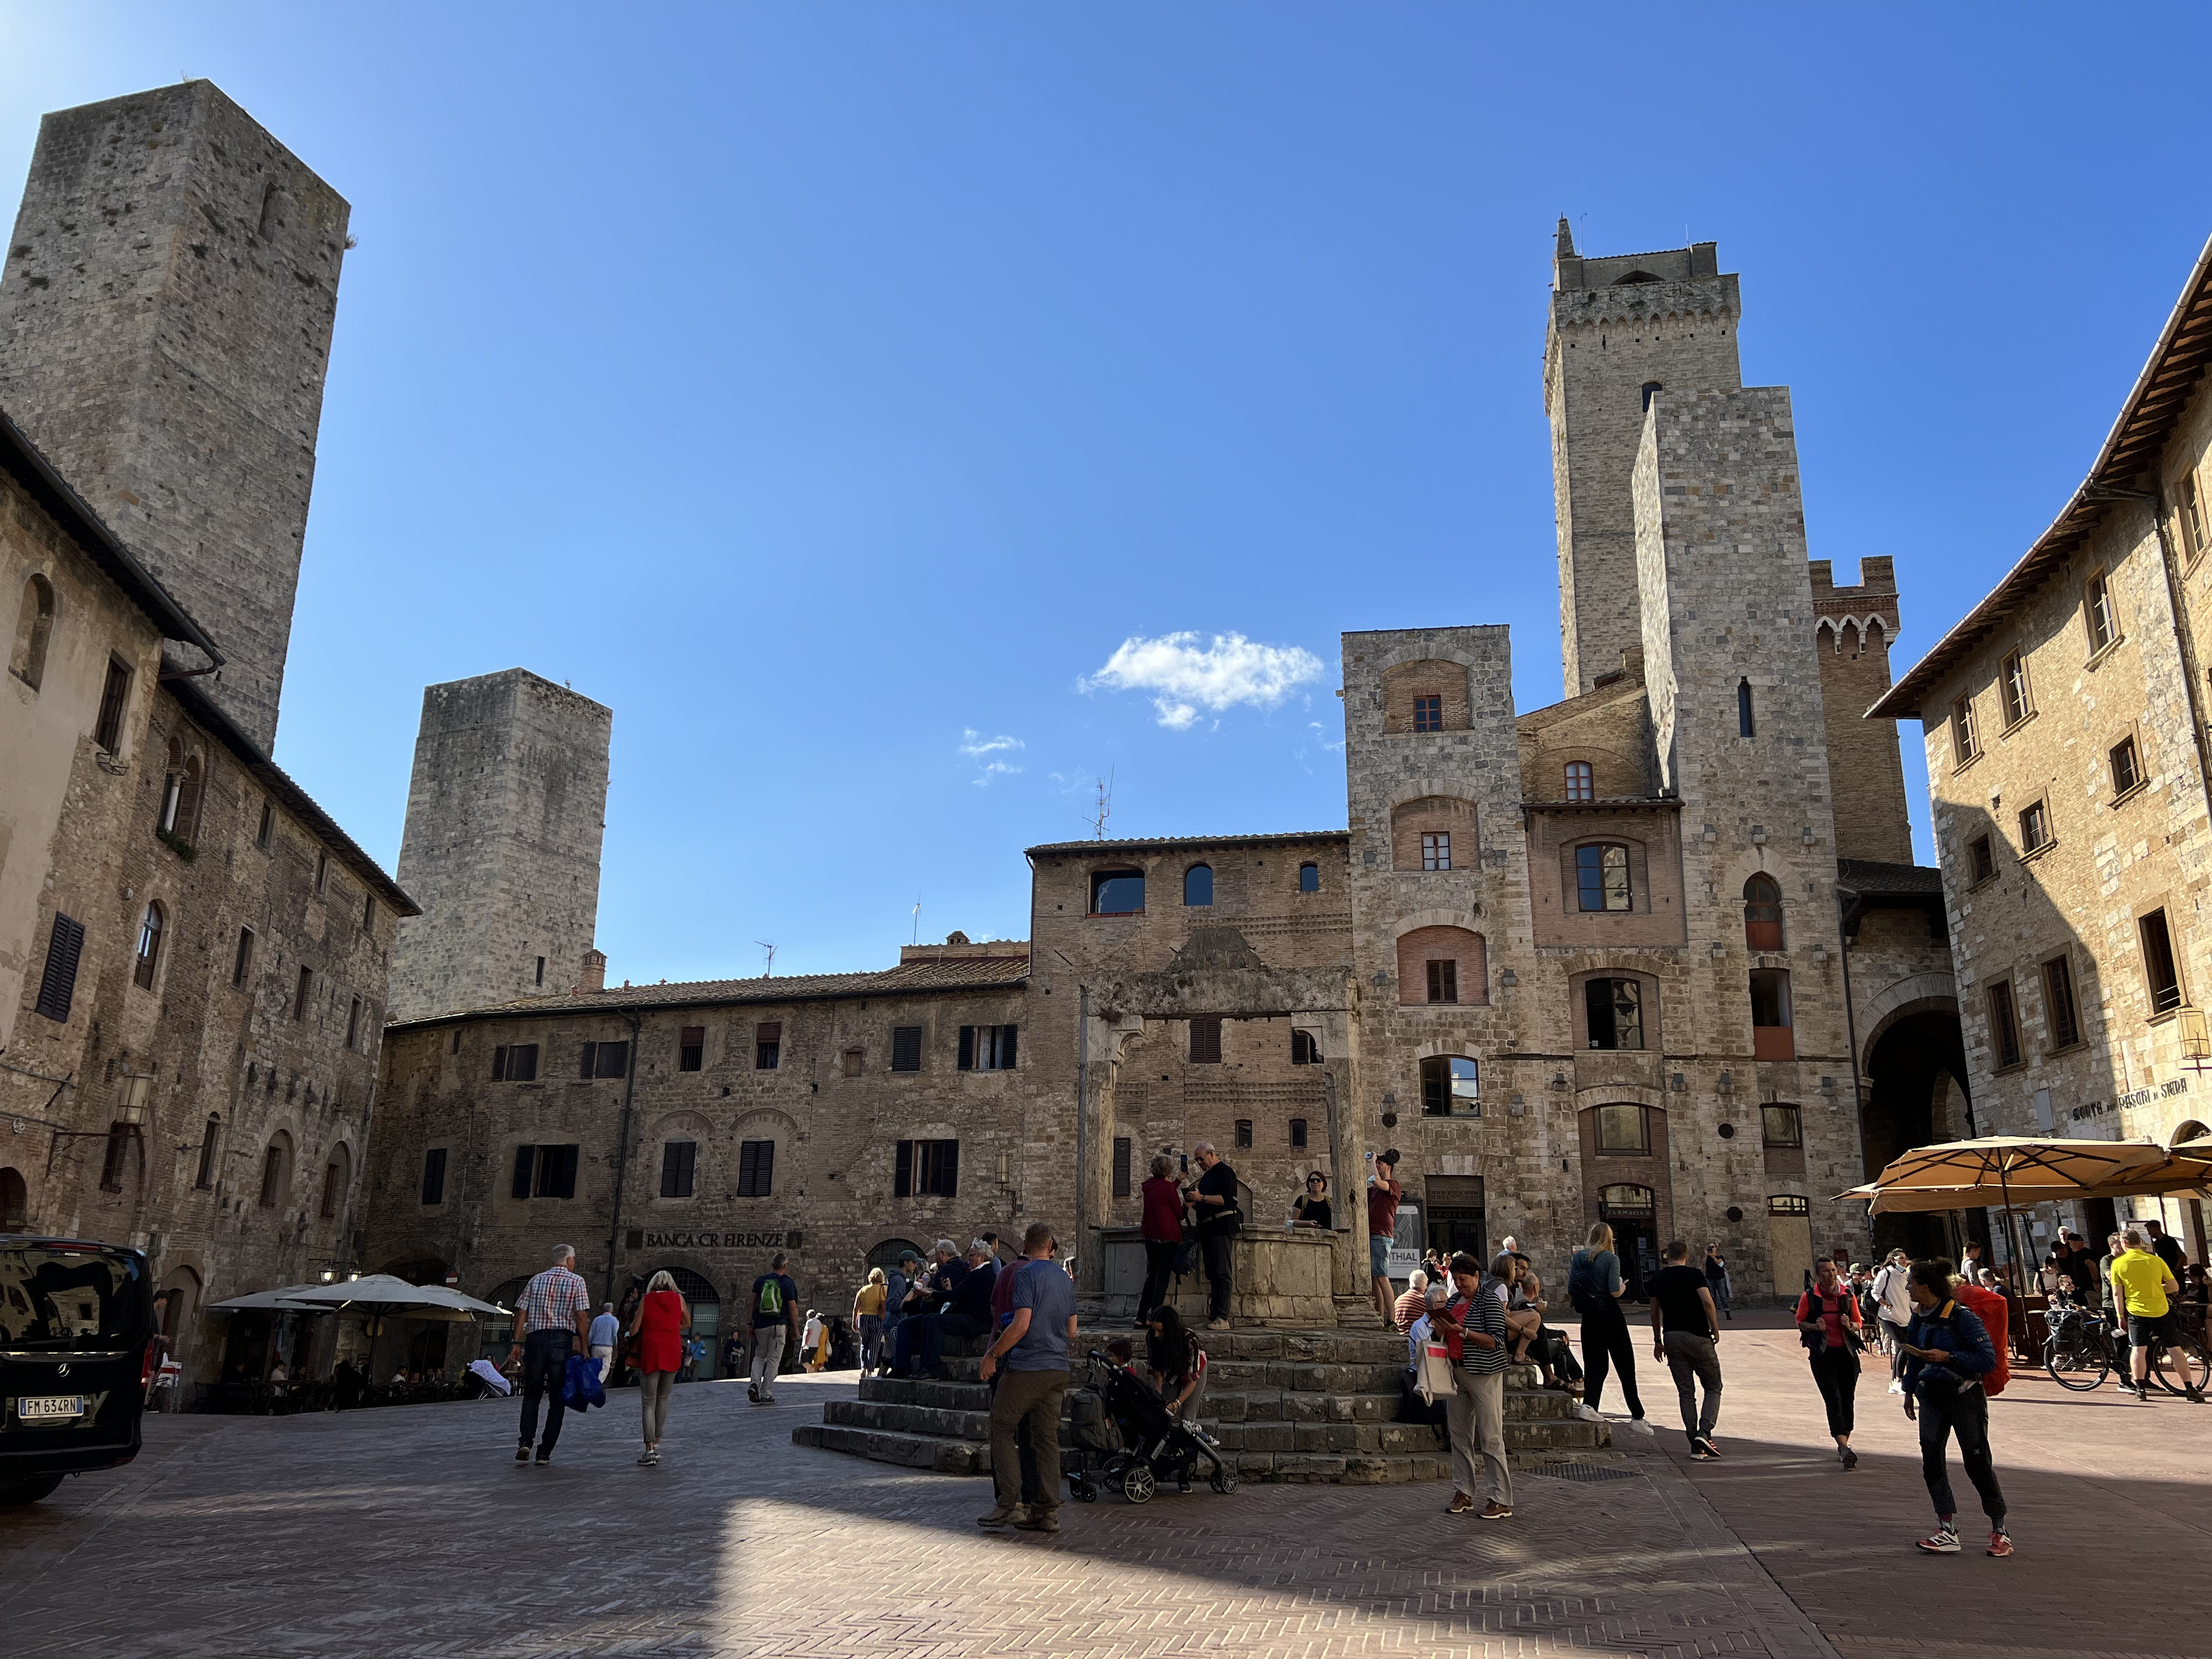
(1217, 1324)
(1003, 1516)
(545, 1458)
(647, 1460)
(1712, 1447)
(1639, 1425)
(2000, 1544)
(1896, 1387)
(1847, 1457)
(1461, 1503)
(753, 1392)
(1700, 1451)
(522, 1452)
(1589, 1414)
(1041, 1521)
(1494, 1510)
(1944, 1540)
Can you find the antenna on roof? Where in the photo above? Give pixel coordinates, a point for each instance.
(917, 921)
(1105, 807)
(770, 948)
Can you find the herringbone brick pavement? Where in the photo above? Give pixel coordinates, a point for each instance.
(408, 1532)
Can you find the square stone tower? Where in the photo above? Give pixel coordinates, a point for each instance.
(504, 815)
(166, 309)
(1622, 328)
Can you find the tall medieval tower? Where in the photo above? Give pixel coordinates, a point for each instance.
(506, 813)
(1623, 328)
(166, 314)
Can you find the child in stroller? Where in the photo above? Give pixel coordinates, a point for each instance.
(1124, 1436)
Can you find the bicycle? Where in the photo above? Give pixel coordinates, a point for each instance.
(2083, 1348)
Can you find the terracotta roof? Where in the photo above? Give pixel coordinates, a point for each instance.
(956, 974)
(1868, 878)
(1166, 842)
(2146, 420)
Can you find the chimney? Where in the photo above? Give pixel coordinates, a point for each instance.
(595, 971)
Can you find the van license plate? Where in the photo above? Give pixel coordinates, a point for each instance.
(50, 1405)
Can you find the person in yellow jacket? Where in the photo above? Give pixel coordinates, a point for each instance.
(2144, 1287)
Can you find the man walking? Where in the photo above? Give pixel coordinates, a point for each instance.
(1894, 1313)
(2141, 1283)
(775, 1322)
(1213, 1198)
(605, 1331)
(1686, 1333)
(1716, 1277)
(552, 1321)
(1383, 1192)
(1948, 1353)
(1035, 1347)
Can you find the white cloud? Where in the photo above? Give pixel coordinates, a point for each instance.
(1185, 677)
(978, 748)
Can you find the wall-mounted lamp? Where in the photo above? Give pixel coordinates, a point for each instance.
(1508, 978)
(1827, 1086)
(1516, 1107)
(1559, 1079)
(1725, 1083)
(1678, 1083)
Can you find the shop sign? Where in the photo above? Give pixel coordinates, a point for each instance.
(770, 1240)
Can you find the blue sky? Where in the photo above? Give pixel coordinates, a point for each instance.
(836, 392)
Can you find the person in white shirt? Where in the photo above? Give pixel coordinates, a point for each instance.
(1895, 1315)
(605, 1331)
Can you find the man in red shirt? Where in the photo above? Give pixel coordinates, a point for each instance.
(1383, 1192)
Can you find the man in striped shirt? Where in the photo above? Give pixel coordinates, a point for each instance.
(552, 1320)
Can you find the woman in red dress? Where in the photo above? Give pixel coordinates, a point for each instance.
(658, 1326)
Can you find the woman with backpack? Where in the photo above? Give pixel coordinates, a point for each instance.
(1949, 1358)
(1834, 1336)
(1594, 1286)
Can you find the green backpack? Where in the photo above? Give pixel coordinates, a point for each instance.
(771, 1296)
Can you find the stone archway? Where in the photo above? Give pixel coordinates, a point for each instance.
(1914, 1055)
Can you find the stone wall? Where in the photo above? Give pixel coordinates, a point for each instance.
(166, 310)
(1852, 632)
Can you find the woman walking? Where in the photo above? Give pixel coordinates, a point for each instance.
(868, 1318)
(658, 1327)
(1163, 1231)
(1834, 1336)
(1594, 1286)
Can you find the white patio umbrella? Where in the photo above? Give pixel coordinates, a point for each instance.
(379, 1295)
(278, 1301)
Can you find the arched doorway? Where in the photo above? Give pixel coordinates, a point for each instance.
(1627, 1183)
(888, 1255)
(706, 1303)
(14, 1201)
(1910, 1054)
(2190, 1229)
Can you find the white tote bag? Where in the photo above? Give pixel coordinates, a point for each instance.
(1432, 1380)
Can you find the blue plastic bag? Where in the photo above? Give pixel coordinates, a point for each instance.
(583, 1388)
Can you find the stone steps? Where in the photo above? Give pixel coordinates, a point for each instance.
(1315, 1406)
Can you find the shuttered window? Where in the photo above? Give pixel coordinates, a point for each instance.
(987, 1047)
(927, 1169)
(556, 1171)
(755, 1169)
(906, 1048)
(517, 1063)
(57, 984)
(678, 1159)
(526, 1165)
(1205, 1043)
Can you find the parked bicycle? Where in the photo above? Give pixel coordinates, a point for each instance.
(2083, 1348)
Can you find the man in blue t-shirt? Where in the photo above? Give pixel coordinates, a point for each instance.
(775, 1322)
(1035, 1348)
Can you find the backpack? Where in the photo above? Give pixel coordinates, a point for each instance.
(771, 1297)
(1991, 1309)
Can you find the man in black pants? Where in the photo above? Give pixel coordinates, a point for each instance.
(1948, 1353)
(1213, 1198)
(1686, 1333)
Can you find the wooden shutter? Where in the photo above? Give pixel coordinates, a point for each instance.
(57, 984)
(950, 1150)
(1205, 1041)
(556, 1172)
(526, 1161)
(906, 1048)
(499, 1064)
(967, 1062)
(768, 1030)
(748, 1163)
(590, 1059)
(1006, 1034)
(764, 1171)
(1123, 1148)
(903, 1179)
(670, 1159)
(524, 1058)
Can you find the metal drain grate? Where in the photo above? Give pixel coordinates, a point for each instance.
(1587, 1472)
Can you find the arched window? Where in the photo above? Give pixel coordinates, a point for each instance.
(173, 789)
(1450, 1087)
(1309, 877)
(1198, 885)
(209, 1139)
(1581, 781)
(1601, 876)
(150, 947)
(1117, 892)
(1762, 914)
(34, 626)
(1745, 726)
(1626, 1202)
(14, 1201)
(1651, 388)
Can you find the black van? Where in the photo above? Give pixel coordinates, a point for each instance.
(76, 1345)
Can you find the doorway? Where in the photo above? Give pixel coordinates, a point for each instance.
(1789, 1244)
(1451, 1218)
(706, 1304)
(1633, 1212)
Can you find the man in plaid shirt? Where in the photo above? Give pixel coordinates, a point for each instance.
(552, 1320)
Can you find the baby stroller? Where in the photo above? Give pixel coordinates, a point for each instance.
(1126, 1437)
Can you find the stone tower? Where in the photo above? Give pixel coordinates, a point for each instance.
(1622, 327)
(1855, 626)
(505, 814)
(166, 310)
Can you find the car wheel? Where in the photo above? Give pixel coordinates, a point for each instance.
(28, 1491)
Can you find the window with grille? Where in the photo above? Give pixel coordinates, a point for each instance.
(1443, 980)
(1781, 1127)
(2058, 1005)
(1451, 1086)
(767, 1045)
(1205, 1041)
(1244, 1132)
(1305, 1049)
(2161, 974)
(2012, 686)
(2034, 827)
(433, 1175)
(58, 983)
(1623, 1128)
(678, 1160)
(1428, 713)
(1981, 859)
(1602, 878)
(2127, 769)
(1613, 1013)
(1787, 1204)
(906, 1048)
(691, 1049)
(1581, 781)
(987, 1047)
(514, 1062)
(757, 1169)
(926, 1168)
(2004, 1025)
(1124, 1156)
(2097, 612)
(1436, 850)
